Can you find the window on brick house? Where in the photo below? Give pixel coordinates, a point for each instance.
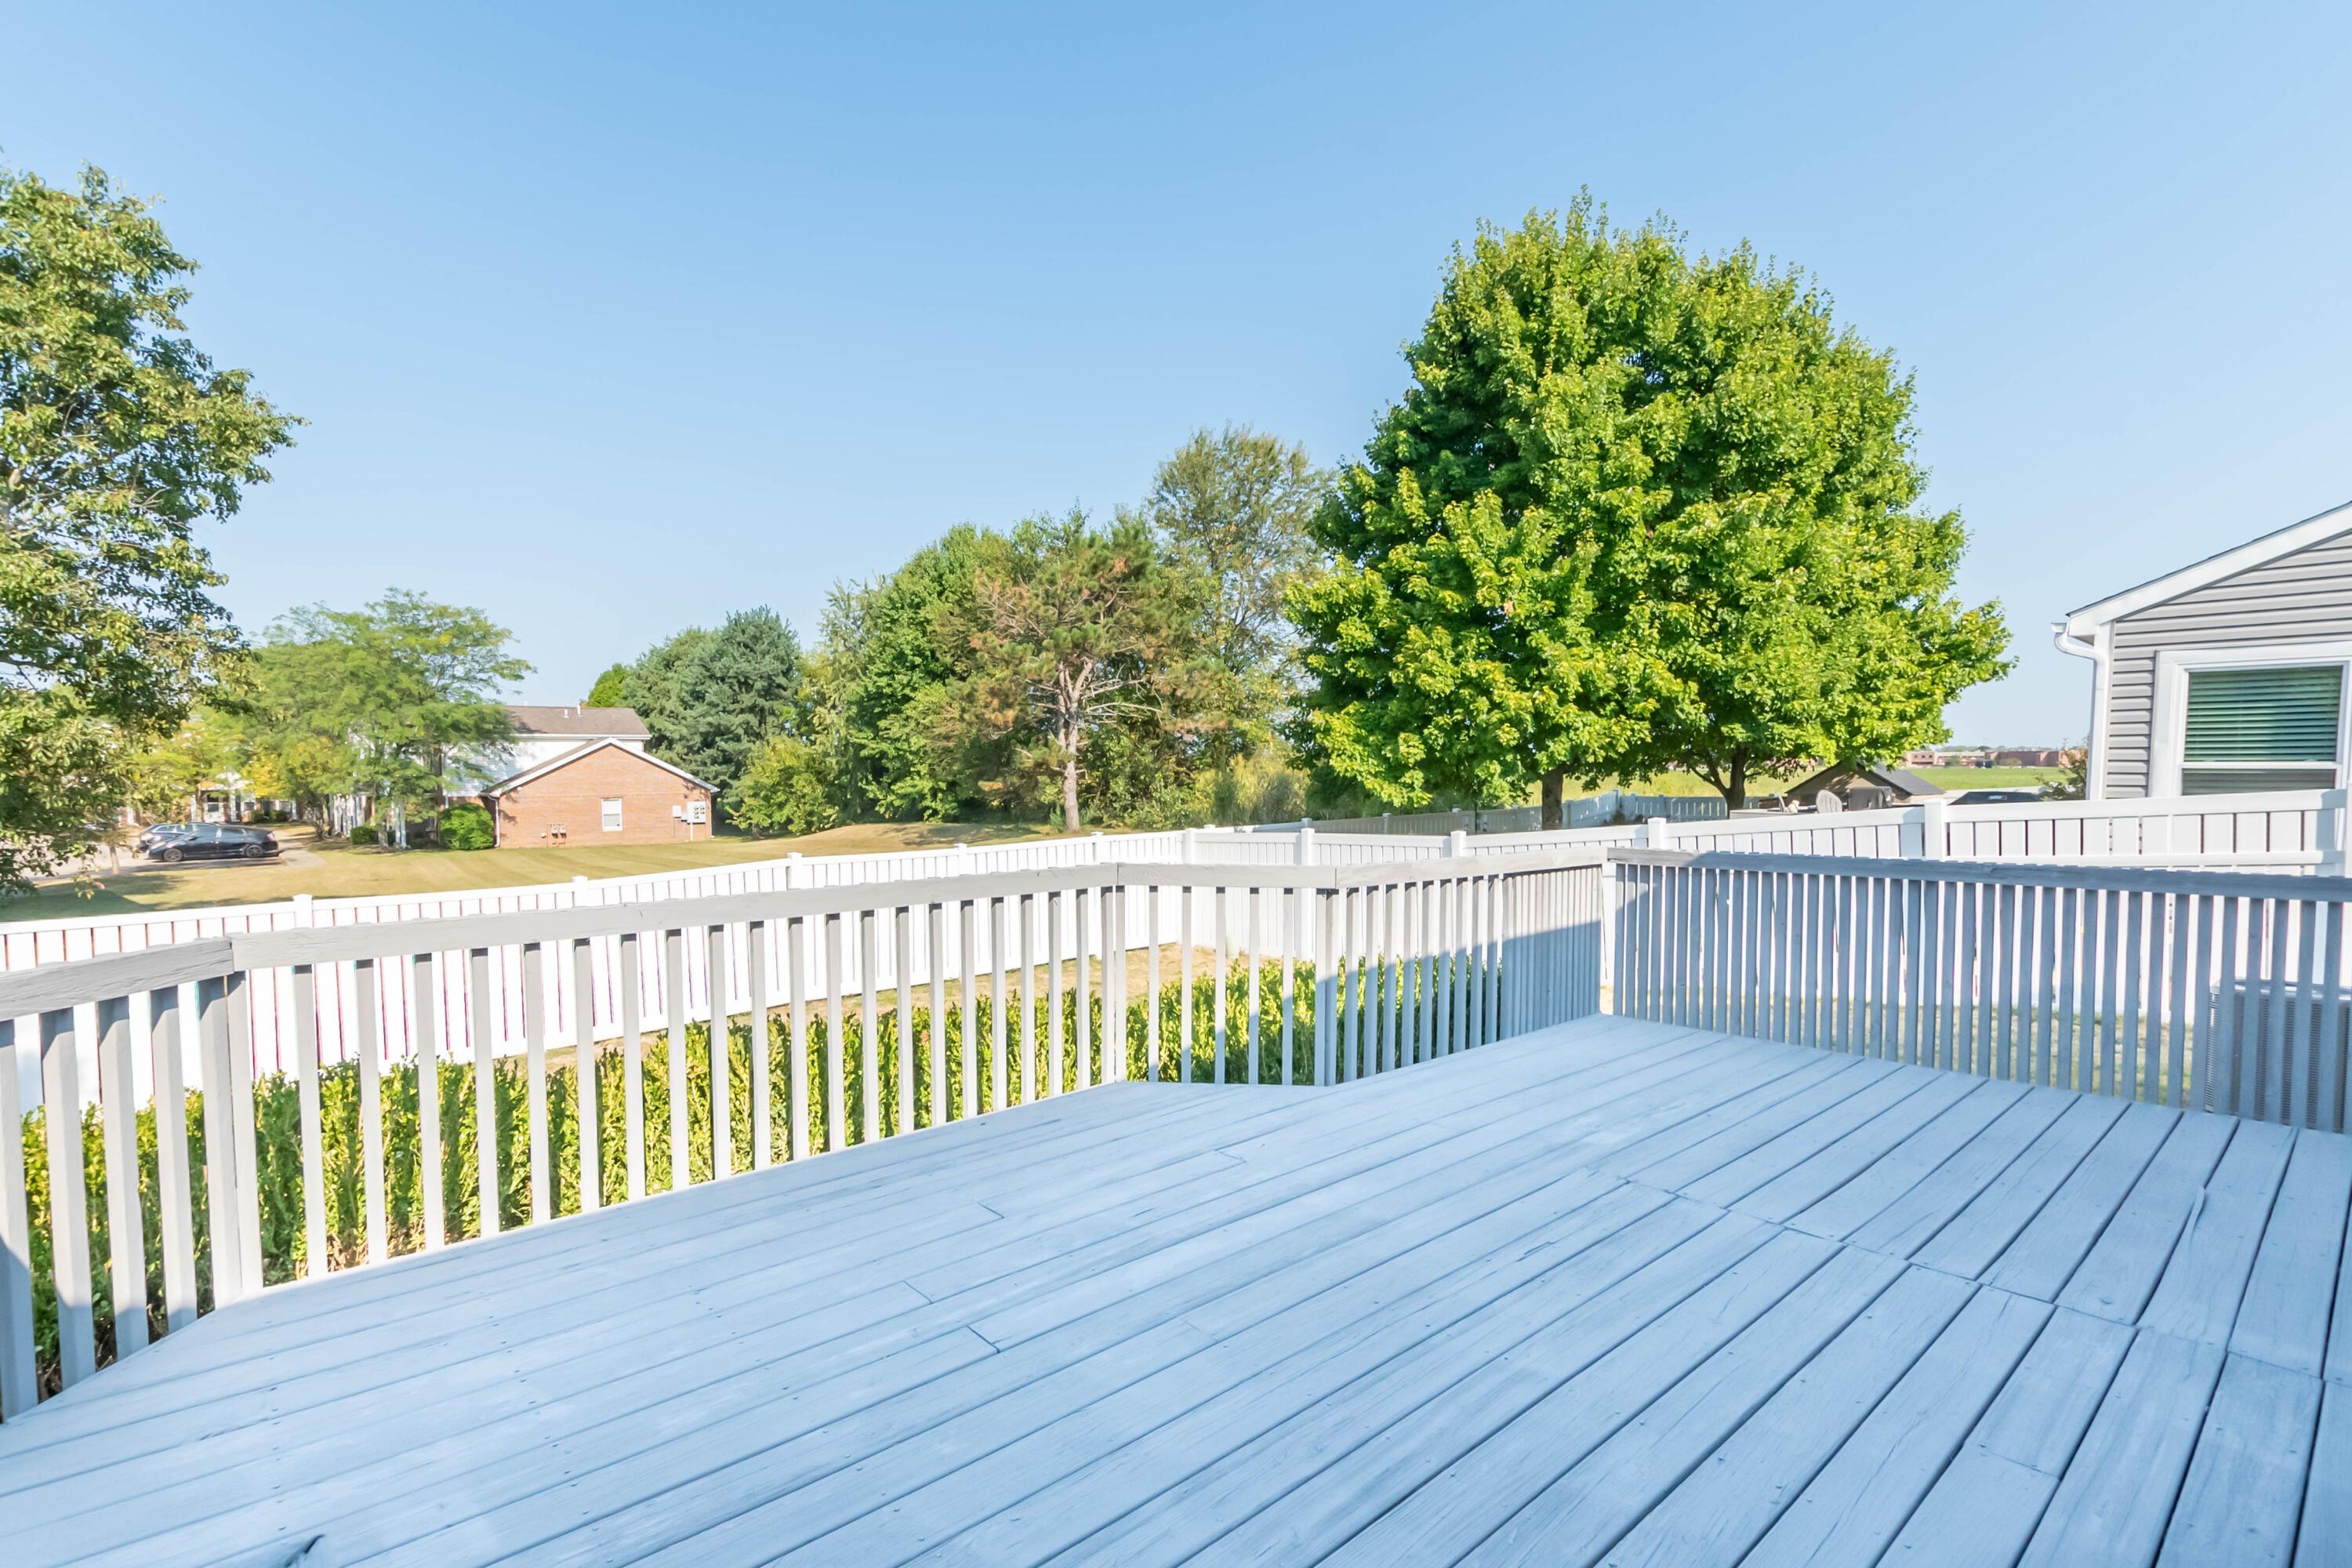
(611, 816)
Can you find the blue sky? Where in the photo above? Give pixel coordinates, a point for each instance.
(610, 320)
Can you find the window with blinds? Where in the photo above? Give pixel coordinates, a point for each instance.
(2251, 729)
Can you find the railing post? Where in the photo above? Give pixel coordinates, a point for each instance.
(1458, 843)
(1934, 830)
(1307, 847)
(792, 868)
(2330, 826)
(1661, 831)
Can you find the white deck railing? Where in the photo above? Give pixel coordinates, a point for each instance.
(2212, 991)
(1313, 974)
(2297, 832)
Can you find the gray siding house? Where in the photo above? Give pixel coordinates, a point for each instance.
(2228, 676)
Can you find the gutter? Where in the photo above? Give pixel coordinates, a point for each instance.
(2094, 648)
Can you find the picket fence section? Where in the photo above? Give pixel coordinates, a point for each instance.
(1407, 961)
(2204, 989)
(1600, 810)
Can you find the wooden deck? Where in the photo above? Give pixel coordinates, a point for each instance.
(1611, 1292)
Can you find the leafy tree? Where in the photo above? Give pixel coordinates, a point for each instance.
(787, 787)
(890, 673)
(1238, 504)
(745, 685)
(1637, 509)
(386, 699)
(163, 776)
(611, 689)
(117, 435)
(657, 688)
(1072, 630)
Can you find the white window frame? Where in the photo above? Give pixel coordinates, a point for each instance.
(2168, 729)
(609, 807)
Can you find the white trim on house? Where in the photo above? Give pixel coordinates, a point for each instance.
(2085, 623)
(2170, 716)
(573, 755)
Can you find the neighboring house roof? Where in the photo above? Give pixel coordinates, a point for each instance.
(565, 758)
(1899, 780)
(623, 722)
(2254, 552)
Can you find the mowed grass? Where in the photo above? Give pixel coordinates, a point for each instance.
(336, 870)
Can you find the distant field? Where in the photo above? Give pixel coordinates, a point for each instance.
(339, 871)
(1948, 778)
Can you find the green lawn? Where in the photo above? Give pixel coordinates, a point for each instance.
(336, 870)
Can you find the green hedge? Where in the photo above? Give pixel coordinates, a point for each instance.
(279, 1147)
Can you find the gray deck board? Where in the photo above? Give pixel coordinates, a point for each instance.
(1616, 1292)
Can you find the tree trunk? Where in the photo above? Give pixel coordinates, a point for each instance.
(1734, 783)
(1069, 790)
(1555, 783)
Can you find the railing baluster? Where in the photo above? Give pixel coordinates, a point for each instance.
(1114, 984)
(589, 1111)
(756, 987)
(1253, 906)
(796, 1058)
(1054, 913)
(174, 1194)
(485, 1091)
(238, 1042)
(314, 1146)
(534, 1037)
(68, 1210)
(674, 1008)
(126, 1235)
(836, 1041)
(1185, 998)
(1288, 906)
(1219, 900)
(968, 1045)
(1088, 907)
(936, 1024)
(722, 1066)
(902, 1008)
(998, 1079)
(1151, 986)
(1326, 985)
(18, 1387)
(431, 1179)
(1026, 1041)
(633, 1062)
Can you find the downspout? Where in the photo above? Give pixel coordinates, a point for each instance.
(2095, 786)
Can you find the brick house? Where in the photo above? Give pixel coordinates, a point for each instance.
(603, 791)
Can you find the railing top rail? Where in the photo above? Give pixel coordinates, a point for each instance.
(2013, 873)
(57, 985)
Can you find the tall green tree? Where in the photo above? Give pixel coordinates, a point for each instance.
(891, 672)
(1239, 504)
(117, 436)
(390, 699)
(1073, 632)
(611, 689)
(747, 684)
(656, 687)
(1638, 508)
